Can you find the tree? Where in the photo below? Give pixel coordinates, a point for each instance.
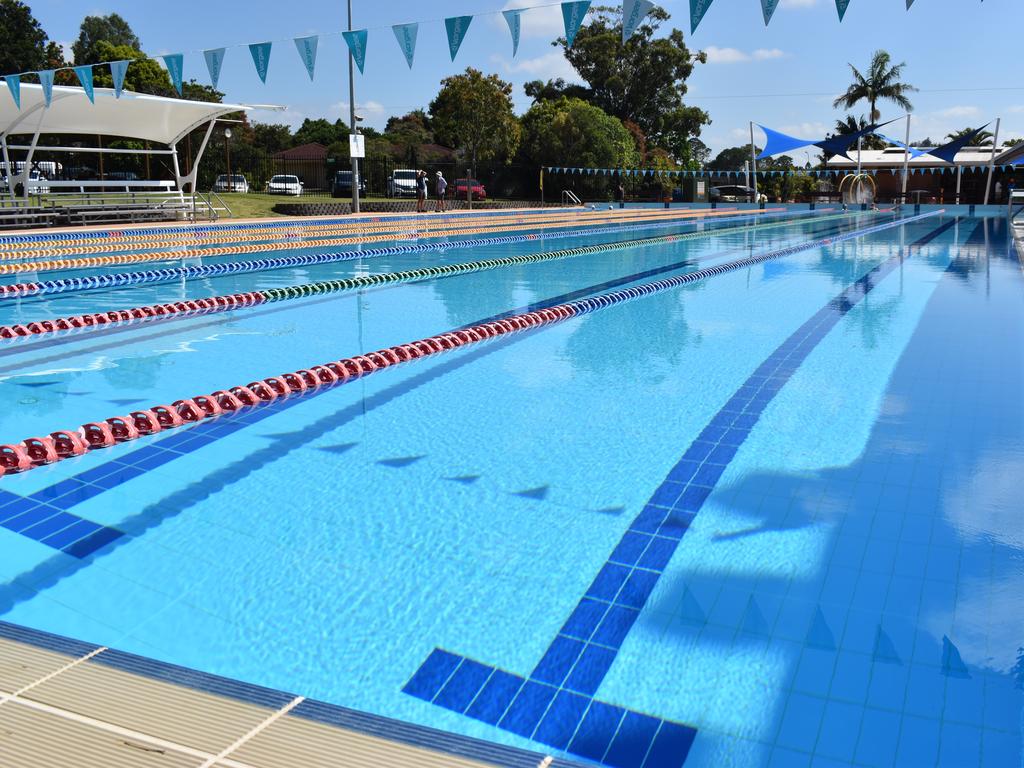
(55, 60)
(474, 112)
(555, 132)
(1013, 142)
(643, 80)
(700, 152)
(24, 41)
(320, 131)
(850, 125)
(554, 89)
(882, 82)
(271, 137)
(407, 134)
(983, 139)
(144, 75)
(732, 159)
(111, 29)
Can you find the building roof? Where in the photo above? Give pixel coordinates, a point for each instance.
(134, 115)
(892, 157)
(312, 151)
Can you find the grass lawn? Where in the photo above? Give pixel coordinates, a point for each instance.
(257, 205)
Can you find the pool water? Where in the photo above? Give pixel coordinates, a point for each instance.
(770, 518)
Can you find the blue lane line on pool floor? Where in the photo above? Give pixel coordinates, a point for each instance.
(555, 703)
(44, 516)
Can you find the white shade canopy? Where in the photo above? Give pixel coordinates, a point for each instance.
(134, 115)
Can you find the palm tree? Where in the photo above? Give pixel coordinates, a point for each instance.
(983, 139)
(850, 125)
(881, 83)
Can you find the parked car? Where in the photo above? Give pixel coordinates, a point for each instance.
(121, 176)
(284, 185)
(731, 193)
(36, 184)
(341, 184)
(402, 183)
(238, 183)
(458, 189)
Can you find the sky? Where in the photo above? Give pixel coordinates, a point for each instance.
(784, 76)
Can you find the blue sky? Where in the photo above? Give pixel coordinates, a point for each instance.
(784, 76)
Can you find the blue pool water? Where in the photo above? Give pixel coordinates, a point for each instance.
(771, 518)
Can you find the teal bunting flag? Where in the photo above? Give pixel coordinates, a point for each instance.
(306, 46)
(633, 12)
(841, 6)
(456, 26)
(768, 9)
(46, 80)
(14, 86)
(356, 41)
(118, 69)
(515, 24)
(909, 3)
(84, 74)
(573, 14)
(261, 58)
(405, 34)
(175, 68)
(697, 10)
(214, 61)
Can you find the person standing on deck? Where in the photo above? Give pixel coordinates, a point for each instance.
(421, 191)
(440, 187)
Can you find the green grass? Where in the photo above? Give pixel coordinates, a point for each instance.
(257, 205)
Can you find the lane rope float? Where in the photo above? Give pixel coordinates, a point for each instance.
(92, 262)
(64, 444)
(186, 240)
(227, 303)
(172, 274)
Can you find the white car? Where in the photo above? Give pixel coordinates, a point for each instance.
(36, 183)
(284, 185)
(238, 183)
(402, 183)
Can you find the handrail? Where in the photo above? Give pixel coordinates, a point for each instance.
(569, 197)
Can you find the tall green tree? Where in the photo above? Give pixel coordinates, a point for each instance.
(23, 45)
(407, 134)
(474, 112)
(881, 83)
(271, 137)
(320, 131)
(556, 131)
(144, 75)
(111, 29)
(643, 80)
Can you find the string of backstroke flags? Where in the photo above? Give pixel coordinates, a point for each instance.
(456, 28)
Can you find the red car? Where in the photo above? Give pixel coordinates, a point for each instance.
(458, 189)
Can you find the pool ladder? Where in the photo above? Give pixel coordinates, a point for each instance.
(569, 198)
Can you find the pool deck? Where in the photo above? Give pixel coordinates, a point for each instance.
(68, 703)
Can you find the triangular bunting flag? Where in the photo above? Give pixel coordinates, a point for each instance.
(14, 86)
(214, 61)
(84, 74)
(767, 9)
(697, 10)
(46, 80)
(405, 34)
(175, 63)
(573, 14)
(515, 24)
(633, 12)
(841, 6)
(909, 3)
(456, 26)
(306, 46)
(356, 41)
(118, 69)
(261, 58)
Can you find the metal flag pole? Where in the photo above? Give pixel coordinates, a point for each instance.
(992, 161)
(352, 117)
(906, 163)
(753, 159)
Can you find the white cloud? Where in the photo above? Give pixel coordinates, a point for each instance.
(1016, 110)
(798, 3)
(545, 21)
(807, 130)
(959, 111)
(549, 66)
(718, 55)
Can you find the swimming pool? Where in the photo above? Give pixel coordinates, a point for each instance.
(765, 518)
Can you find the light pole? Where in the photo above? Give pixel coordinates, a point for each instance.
(352, 117)
(227, 154)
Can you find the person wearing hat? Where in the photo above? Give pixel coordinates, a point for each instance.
(440, 186)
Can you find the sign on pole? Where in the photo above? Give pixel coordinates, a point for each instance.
(356, 145)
